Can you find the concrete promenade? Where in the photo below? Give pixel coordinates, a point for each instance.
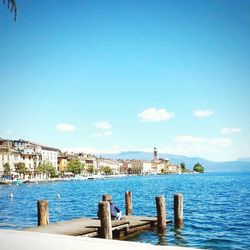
(22, 240)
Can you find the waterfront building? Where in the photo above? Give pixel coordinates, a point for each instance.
(31, 154)
(125, 167)
(146, 167)
(23, 151)
(131, 166)
(173, 168)
(62, 162)
(34, 154)
(5, 155)
(31, 158)
(159, 166)
(50, 155)
(9, 155)
(114, 165)
(89, 161)
(163, 166)
(15, 157)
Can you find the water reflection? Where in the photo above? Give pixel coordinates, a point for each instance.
(162, 238)
(179, 237)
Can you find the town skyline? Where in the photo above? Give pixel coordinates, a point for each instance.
(101, 77)
(28, 160)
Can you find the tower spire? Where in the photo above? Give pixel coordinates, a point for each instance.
(155, 154)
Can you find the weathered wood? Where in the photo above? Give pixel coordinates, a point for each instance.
(42, 213)
(105, 218)
(161, 212)
(72, 227)
(120, 227)
(107, 197)
(139, 228)
(128, 202)
(91, 227)
(178, 209)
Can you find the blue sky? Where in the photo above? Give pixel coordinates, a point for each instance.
(107, 76)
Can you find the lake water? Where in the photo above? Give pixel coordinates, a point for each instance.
(216, 206)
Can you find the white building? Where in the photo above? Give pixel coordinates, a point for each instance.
(5, 155)
(115, 166)
(31, 154)
(173, 168)
(147, 167)
(50, 155)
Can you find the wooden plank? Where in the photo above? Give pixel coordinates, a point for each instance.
(115, 224)
(91, 226)
(121, 227)
(136, 221)
(138, 228)
(74, 227)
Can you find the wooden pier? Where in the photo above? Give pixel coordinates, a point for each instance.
(104, 227)
(91, 227)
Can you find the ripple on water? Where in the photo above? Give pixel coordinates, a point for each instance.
(216, 206)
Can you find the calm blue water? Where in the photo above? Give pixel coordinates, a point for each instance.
(216, 206)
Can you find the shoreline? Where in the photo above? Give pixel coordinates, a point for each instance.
(76, 178)
(37, 180)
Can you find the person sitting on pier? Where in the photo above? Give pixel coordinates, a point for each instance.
(116, 213)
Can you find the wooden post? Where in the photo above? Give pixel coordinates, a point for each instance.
(161, 212)
(105, 218)
(42, 213)
(128, 202)
(106, 197)
(178, 209)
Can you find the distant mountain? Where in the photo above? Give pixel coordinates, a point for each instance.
(244, 159)
(242, 165)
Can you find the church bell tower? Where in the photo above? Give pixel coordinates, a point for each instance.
(155, 154)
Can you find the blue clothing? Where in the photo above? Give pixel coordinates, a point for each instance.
(114, 210)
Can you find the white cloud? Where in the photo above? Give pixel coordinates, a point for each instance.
(103, 134)
(154, 115)
(203, 113)
(230, 130)
(64, 127)
(102, 125)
